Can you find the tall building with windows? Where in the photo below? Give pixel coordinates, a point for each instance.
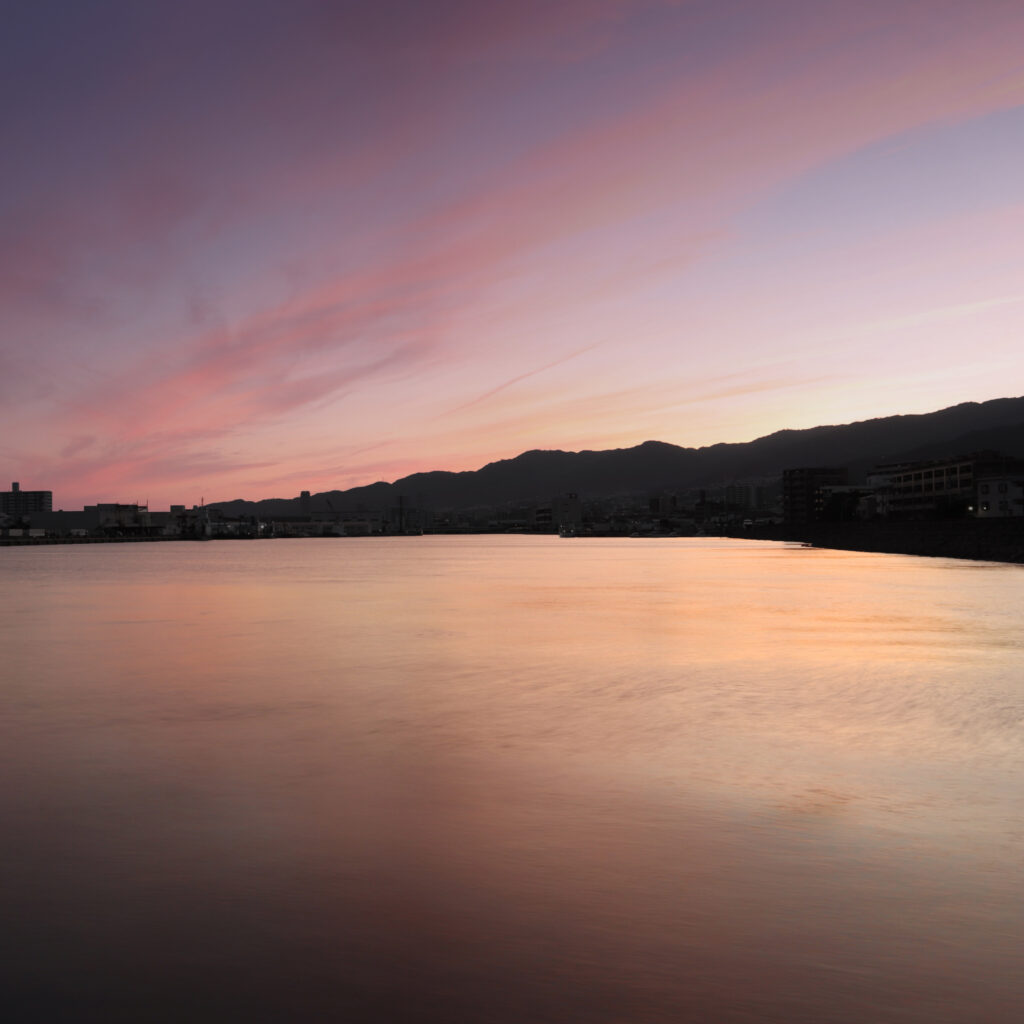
(1000, 497)
(967, 485)
(805, 491)
(17, 502)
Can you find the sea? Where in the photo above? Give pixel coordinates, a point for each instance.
(510, 779)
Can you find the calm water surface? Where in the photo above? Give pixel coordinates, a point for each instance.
(510, 779)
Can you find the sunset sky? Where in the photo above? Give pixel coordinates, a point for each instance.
(250, 248)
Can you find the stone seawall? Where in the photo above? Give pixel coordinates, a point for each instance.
(15, 542)
(991, 540)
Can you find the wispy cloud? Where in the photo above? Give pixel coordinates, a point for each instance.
(937, 315)
(525, 376)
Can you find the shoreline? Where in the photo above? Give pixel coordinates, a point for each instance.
(983, 540)
(24, 542)
(994, 540)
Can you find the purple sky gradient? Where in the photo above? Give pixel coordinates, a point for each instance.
(252, 248)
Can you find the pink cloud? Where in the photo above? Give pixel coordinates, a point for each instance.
(645, 185)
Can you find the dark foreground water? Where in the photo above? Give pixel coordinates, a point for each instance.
(510, 780)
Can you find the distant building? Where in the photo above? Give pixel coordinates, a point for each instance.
(806, 492)
(564, 514)
(567, 511)
(662, 505)
(119, 520)
(738, 496)
(964, 485)
(1000, 497)
(66, 524)
(17, 502)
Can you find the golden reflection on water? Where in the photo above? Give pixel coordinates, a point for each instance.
(512, 779)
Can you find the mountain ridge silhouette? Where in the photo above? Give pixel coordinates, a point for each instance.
(538, 474)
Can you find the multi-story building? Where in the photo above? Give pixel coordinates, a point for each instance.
(947, 488)
(738, 496)
(564, 514)
(1000, 497)
(806, 490)
(17, 502)
(663, 504)
(120, 520)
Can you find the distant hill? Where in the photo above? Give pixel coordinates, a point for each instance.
(656, 466)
